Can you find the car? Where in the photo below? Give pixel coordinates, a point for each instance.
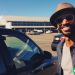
(20, 55)
(48, 31)
(35, 32)
(56, 41)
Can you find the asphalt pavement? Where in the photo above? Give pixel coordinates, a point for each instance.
(44, 41)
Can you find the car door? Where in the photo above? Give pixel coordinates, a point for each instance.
(26, 54)
(22, 49)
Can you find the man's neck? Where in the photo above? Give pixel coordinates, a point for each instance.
(69, 41)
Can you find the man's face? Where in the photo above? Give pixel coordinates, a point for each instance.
(66, 24)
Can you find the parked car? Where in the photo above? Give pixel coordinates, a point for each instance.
(35, 32)
(48, 31)
(56, 41)
(22, 56)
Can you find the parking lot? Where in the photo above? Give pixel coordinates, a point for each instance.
(44, 41)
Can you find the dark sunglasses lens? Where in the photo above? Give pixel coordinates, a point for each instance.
(69, 17)
(58, 20)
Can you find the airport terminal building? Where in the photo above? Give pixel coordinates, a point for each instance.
(25, 24)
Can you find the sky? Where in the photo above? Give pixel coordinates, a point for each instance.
(33, 8)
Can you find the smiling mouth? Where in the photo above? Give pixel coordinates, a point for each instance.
(66, 28)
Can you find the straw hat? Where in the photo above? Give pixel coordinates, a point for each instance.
(61, 9)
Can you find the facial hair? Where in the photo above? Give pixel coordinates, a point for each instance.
(72, 30)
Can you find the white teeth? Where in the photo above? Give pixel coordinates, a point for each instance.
(65, 28)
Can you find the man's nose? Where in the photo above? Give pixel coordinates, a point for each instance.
(65, 21)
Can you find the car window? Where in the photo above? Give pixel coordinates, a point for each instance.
(19, 46)
(20, 51)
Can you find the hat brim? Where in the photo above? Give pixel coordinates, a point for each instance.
(59, 13)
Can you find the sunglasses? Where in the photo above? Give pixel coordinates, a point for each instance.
(69, 17)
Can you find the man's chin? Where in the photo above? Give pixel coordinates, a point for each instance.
(67, 34)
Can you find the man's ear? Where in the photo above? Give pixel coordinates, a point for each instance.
(58, 28)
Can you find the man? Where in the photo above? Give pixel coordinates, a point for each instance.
(64, 20)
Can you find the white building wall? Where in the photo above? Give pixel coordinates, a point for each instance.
(8, 25)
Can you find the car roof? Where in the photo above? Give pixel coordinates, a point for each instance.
(17, 34)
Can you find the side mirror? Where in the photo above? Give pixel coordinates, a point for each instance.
(47, 54)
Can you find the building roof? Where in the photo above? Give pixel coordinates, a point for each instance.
(24, 18)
